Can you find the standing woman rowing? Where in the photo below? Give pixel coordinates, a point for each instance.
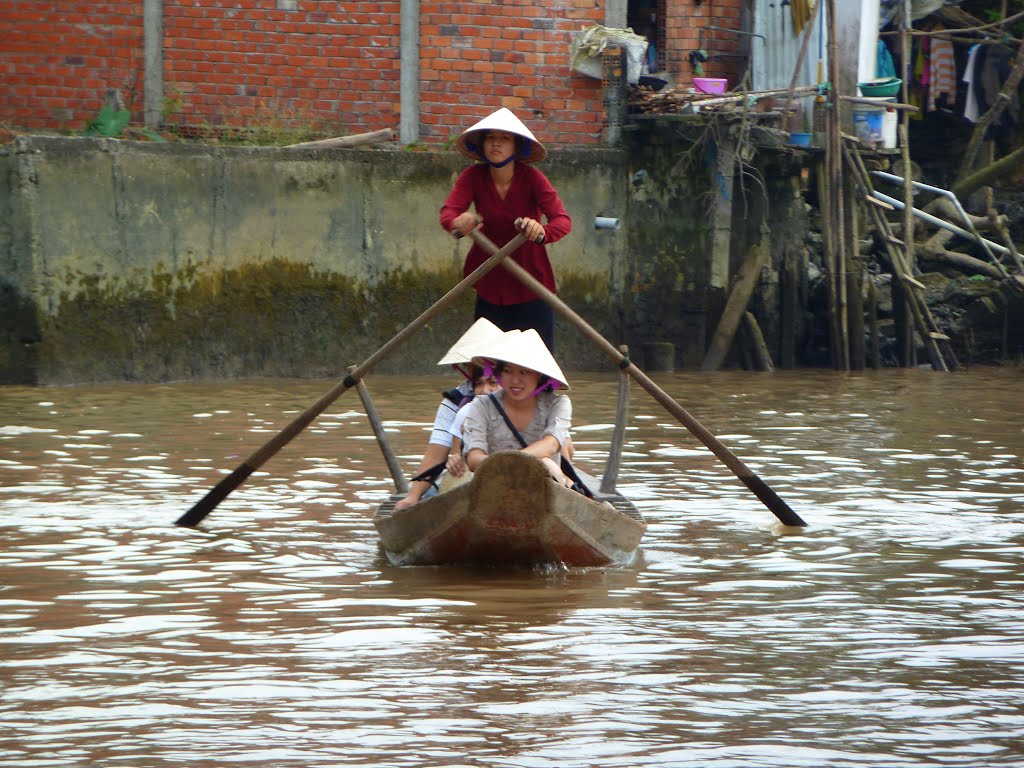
(504, 186)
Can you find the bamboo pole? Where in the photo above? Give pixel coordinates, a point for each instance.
(790, 309)
(833, 216)
(854, 281)
(875, 346)
(809, 28)
(841, 354)
(904, 137)
(355, 140)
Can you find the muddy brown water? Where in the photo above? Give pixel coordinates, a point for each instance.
(889, 632)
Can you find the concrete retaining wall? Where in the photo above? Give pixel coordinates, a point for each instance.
(137, 261)
(141, 261)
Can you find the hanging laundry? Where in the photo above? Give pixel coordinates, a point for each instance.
(922, 65)
(884, 66)
(801, 11)
(992, 71)
(941, 71)
(918, 85)
(971, 111)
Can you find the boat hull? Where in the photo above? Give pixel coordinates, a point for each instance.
(511, 514)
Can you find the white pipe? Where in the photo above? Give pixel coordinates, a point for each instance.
(986, 244)
(898, 205)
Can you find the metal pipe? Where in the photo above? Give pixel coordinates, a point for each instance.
(986, 244)
(898, 204)
(736, 32)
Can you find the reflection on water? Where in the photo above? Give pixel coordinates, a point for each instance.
(887, 633)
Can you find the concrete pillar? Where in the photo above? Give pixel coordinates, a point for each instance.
(615, 13)
(409, 78)
(153, 61)
(721, 217)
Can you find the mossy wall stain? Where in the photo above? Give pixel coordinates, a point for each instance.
(590, 296)
(670, 194)
(273, 318)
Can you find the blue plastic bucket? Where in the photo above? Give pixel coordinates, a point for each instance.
(867, 123)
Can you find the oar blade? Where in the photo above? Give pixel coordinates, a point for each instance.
(215, 496)
(770, 499)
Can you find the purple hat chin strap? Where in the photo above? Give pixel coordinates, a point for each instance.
(550, 385)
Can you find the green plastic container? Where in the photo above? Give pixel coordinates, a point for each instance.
(889, 86)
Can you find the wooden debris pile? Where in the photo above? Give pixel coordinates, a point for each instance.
(679, 99)
(669, 100)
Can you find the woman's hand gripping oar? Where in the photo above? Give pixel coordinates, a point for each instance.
(758, 486)
(230, 482)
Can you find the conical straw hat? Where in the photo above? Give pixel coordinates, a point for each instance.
(525, 348)
(462, 351)
(470, 141)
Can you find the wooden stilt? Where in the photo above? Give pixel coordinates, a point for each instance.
(854, 281)
(742, 288)
(875, 345)
(789, 310)
(762, 359)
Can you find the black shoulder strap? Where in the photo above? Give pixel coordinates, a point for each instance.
(508, 421)
(567, 469)
(431, 475)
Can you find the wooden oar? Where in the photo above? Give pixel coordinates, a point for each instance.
(760, 489)
(230, 482)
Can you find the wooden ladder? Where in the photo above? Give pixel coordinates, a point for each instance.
(940, 351)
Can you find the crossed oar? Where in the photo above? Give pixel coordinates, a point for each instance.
(498, 256)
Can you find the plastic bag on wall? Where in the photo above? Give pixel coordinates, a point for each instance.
(590, 42)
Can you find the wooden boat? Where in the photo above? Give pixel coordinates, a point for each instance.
(511, 513)
(537, 529)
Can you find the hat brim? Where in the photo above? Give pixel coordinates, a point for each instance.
(480, 334)
(525, 348)
(470, 141)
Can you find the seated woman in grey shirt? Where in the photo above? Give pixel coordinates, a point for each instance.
(528, 375)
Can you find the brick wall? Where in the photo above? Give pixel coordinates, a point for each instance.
(327, 65)
(58, 57)
(322, 65)
(513, 54)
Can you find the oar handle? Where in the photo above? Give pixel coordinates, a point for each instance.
(519, 225)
